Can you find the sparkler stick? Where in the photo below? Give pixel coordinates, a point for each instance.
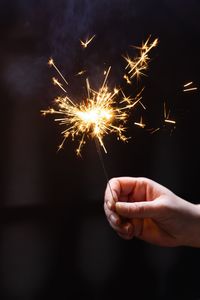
(103, 166)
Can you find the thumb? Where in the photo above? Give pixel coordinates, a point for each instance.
(136, 209)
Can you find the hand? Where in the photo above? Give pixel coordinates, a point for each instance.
(142, 208)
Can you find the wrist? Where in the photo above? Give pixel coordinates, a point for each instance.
(195, 228)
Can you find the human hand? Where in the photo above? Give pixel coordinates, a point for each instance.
(142, 208)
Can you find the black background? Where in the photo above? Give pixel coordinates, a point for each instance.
(55, 240)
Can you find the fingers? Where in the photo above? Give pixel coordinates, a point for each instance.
(112, 191)
(111, 215)
(123, 229)
(131, 189)
(142, 210)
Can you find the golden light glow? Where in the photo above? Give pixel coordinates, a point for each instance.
(104, 111)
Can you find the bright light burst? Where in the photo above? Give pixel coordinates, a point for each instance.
(103, 111)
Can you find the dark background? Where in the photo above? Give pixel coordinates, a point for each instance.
(55, 242)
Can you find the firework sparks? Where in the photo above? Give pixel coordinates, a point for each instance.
(154, 130)
(166, 116)
(188, 87)
(140, 124)
(137, 65)
(81, 73)
(51, 63)
(127, 79)
(104, 111)
(85, 43)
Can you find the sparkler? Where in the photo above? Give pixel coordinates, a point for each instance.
(103, 111)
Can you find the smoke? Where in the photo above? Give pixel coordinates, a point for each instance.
(75, 20)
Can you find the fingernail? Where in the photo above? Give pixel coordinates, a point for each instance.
(114, 219)
(118, 205)
(109, 204)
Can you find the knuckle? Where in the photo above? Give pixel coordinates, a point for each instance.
(139, 209)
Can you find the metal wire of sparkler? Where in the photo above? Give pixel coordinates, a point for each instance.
(103, 166)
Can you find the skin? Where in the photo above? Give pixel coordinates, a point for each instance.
(142, 208)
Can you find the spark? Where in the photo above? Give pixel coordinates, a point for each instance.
(81, 72)
(85, 43)
(104, 111)
(127, 79)
(152, 131)
(170, 121)
(51, 63)
(140, 124)
(56, 82)
(166, 116)
(190, 89)
(187, 84)
(137, 65)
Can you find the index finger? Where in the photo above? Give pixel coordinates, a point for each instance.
(126, 189)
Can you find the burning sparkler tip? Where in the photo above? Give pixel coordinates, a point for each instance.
(106, 110)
